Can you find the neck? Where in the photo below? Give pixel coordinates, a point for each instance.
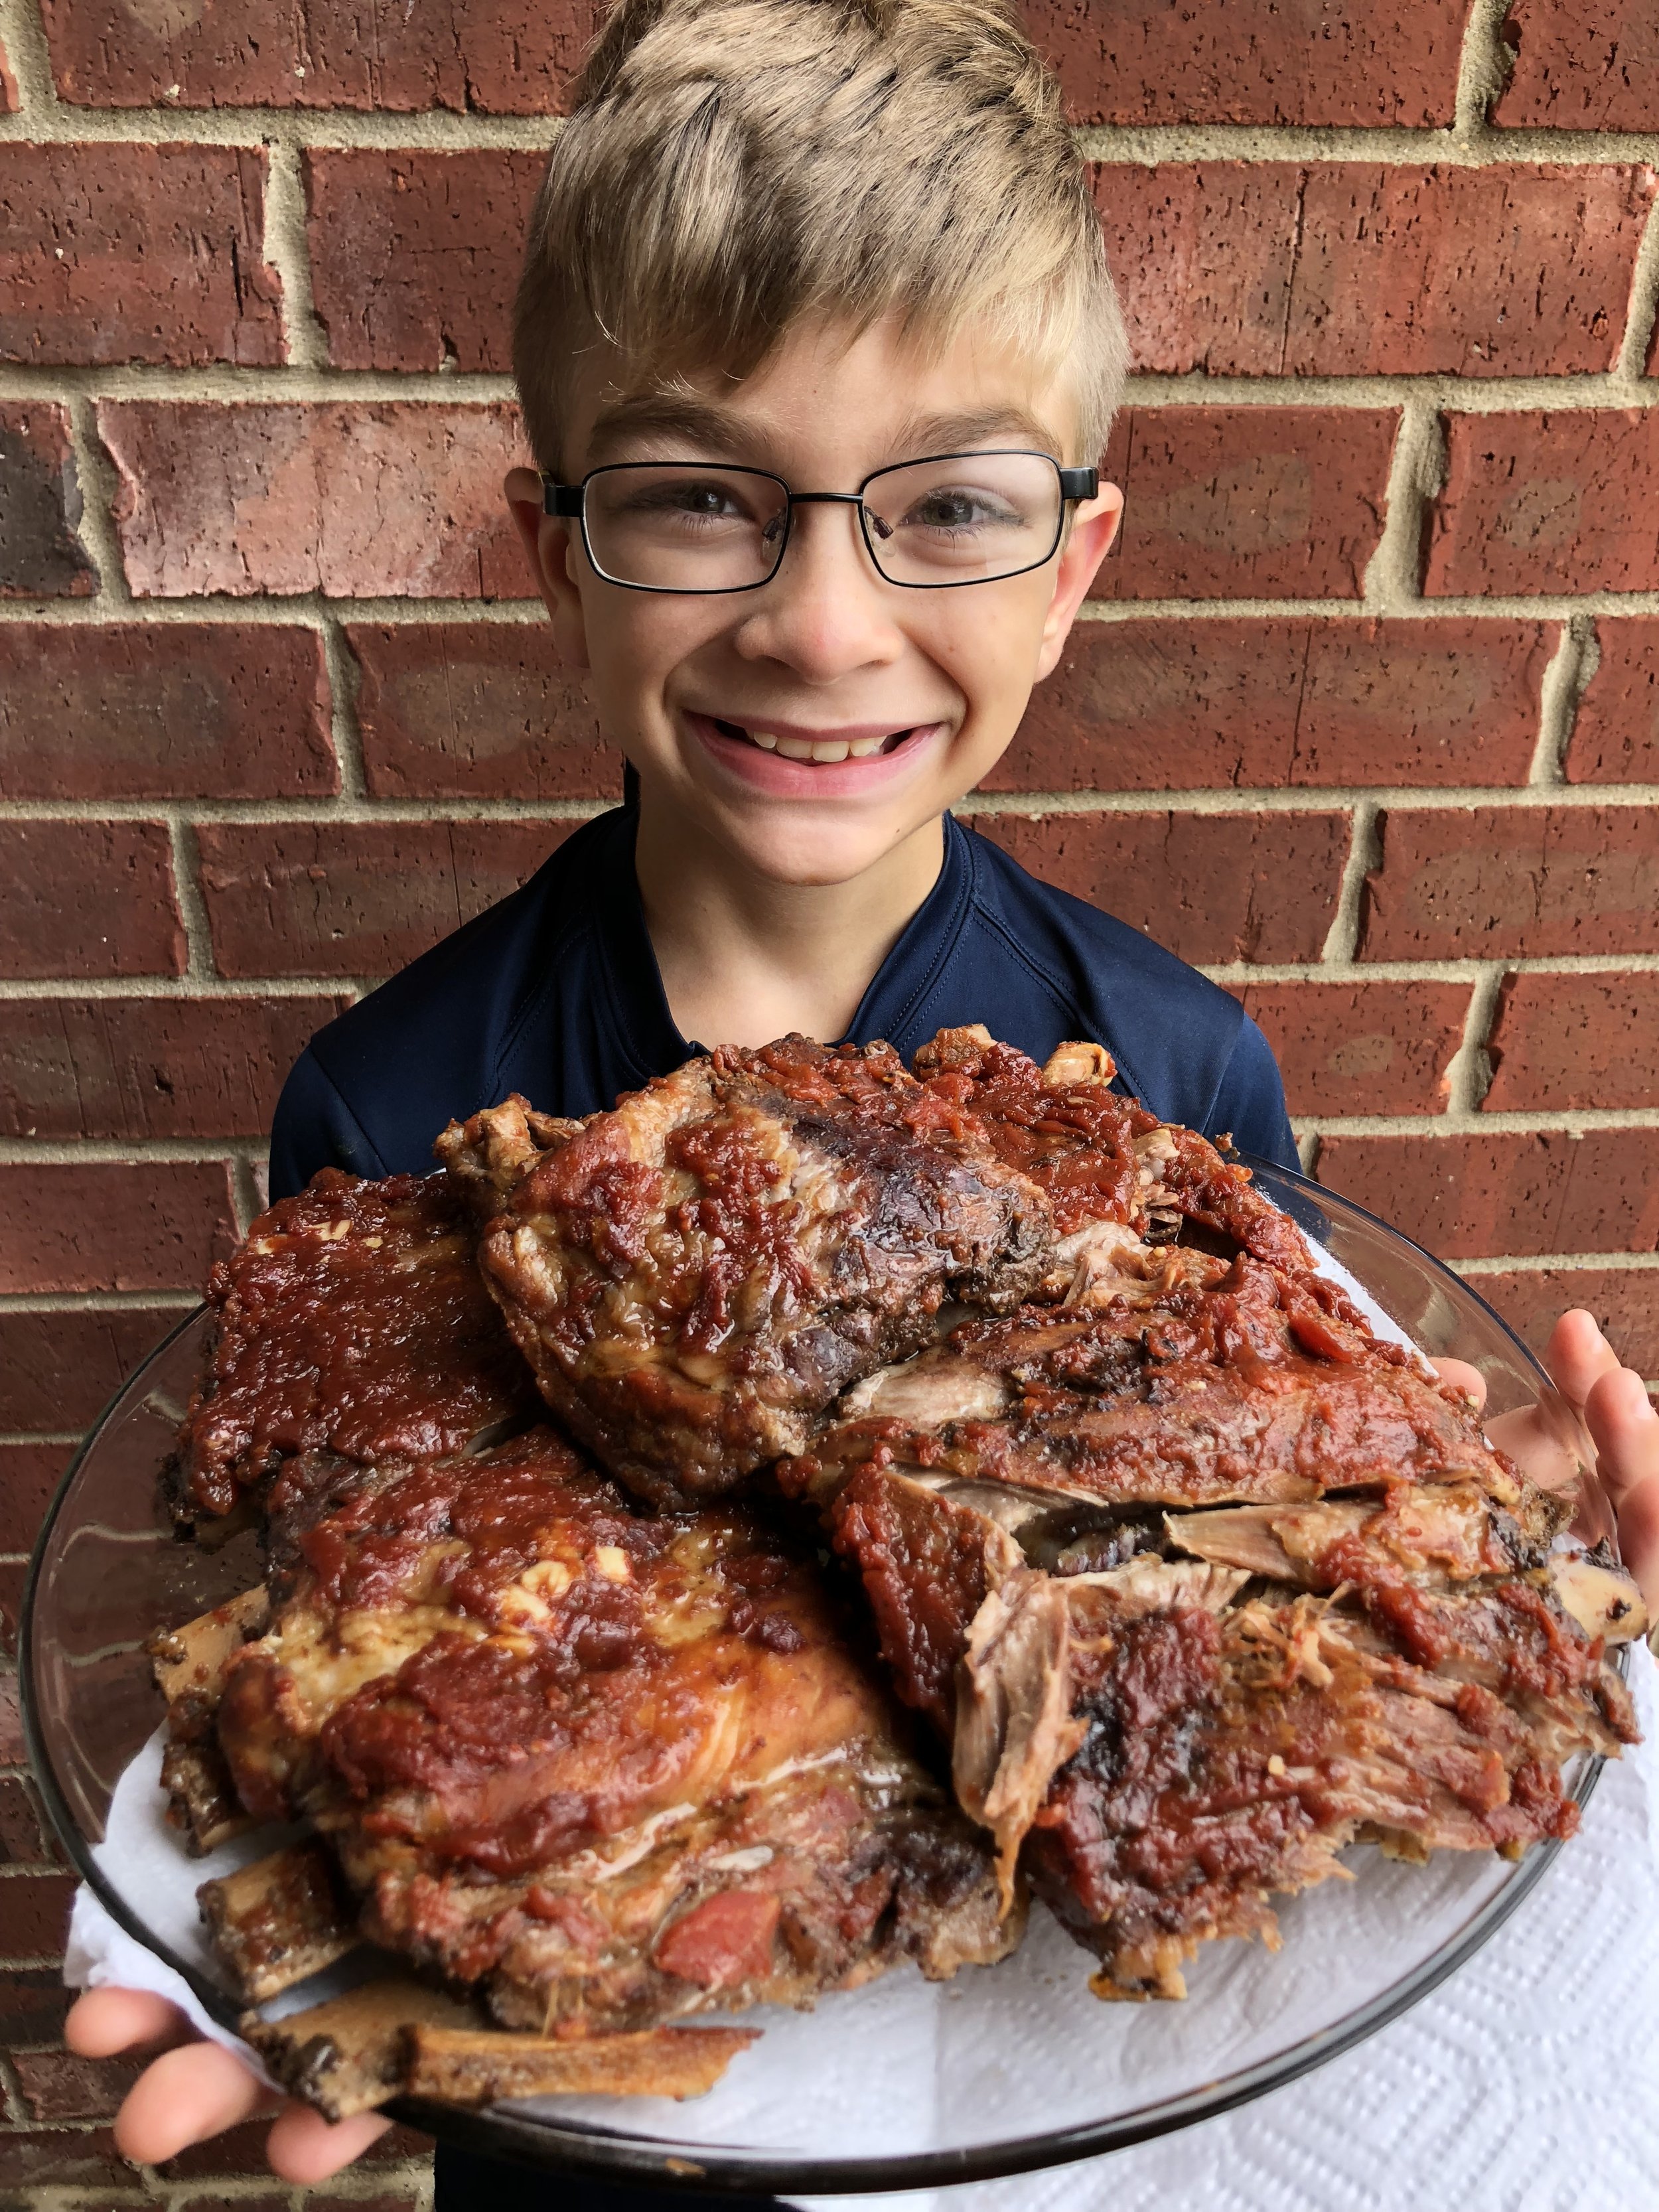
(744, 959)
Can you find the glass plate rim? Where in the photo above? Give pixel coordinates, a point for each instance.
(598, 2153)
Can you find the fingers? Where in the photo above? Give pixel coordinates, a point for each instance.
(184, 2097)
(303, 2147)
(1621, 1417)
(1578, 1355)
(1461, 1377)
(101, 2022)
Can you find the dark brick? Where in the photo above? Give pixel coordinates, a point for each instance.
(475, 710)
(226, 2203)
(1572, 1042)
(1254, 704)
(150, 1067)
(34, 1910)
(64, 2157)
(13, 1575)
(1246, 502)
(1254, 61)
(1581, 65)
(393, 499)
(33, 2003)
(56, 2085)
(59, 1370)
(415, 256)
(12, 1753)
(1361, 1048)
(29, 1474)
(41, 555)
(1212, 887)
(190, 710)
(23, 1840)
(1624, 1300)
(359, 898)
(1615, 735)
(1352, 268)
(121, 252)
(1547, 503)
(1489, 1195)
(238, 2152)
(88, 898)
(153, 1227)
(1523, 882)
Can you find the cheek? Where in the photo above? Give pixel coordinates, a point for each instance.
(990, 650)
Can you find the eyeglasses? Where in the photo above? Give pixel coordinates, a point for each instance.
(931, 524)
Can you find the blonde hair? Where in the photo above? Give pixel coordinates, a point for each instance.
(733, 168)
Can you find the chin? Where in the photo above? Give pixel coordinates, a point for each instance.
(813, 855)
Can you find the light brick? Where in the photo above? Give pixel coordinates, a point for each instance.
(194, 710)
(1580, 65)
(1615, 734)
(1211, 887)
(57, 1371)
(1624, 1300)
(137, 1068)
(1487, 1197)
(149, 253)
(475, 710)
(1361, 1048)
(88, 898)
(1572, 1043)
(1246, 502)
(1547, 502)
(415, 256)
(1352, 268)
(41, 555)
(151, 1227)
(1524, 882)
(1261, 703)
(395, 498)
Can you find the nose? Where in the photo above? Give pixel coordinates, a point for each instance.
(826, 613)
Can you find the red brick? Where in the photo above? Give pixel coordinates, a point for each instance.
(1246, 502)
(1487, 1195)
(1624, 1300)
(1547, 503)
(193, 710)
(59, 1370)
(29, 1474)
(226, 2203)
(64, 2157)
(358, 898)
(1581, 65)
(12, 1753)
(1211, 887)
(154, 253)
(33, 2003)
(1253, 61)
(469, 56)
(1361, 1048)
(13, 1575)
(1615, 735)
(1524, 882)
(1270, 269)
(150, 1067)
(1254, 703)
(88, 898)
(34, 1910)
(41, 555)
(475, 710)
(395, 498)
(56, 2085)
(415, 257)
(155, 1227)
(1573, 1042)
(22, 1836)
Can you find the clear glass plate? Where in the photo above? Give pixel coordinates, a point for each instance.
(902, 2085)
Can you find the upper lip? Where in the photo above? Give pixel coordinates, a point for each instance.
(831, 734)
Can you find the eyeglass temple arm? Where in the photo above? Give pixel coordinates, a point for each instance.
(1078, 483)
(560, 499)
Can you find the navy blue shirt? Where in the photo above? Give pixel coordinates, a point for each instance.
(555, 993)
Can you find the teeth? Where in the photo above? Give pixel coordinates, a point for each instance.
(764, 740)
(861, 748)
(834, 750)
(794, 748)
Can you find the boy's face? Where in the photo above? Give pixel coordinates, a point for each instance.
(827, 651)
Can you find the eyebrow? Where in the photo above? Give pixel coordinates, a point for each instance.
(707, 429)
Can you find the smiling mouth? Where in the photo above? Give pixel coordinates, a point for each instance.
(824, 750)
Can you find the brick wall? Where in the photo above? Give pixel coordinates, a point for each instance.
(1365, 719)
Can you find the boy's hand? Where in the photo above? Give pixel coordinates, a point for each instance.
(1615, 1408)
(195, 2089)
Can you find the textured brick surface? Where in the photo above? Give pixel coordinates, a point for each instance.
(1243, 502)
(1361, 1048)
(1624, 1300)
(356, 899)
(28, 1475)
(153, 1227)
(394, 499)
(83, 2159)
(414, 256)
(196, 710)
(138, 1068)
(1258, 269)
(154, 253)
(33, 1915)
(1615, 735)
(88, 898)
(1567, 1042)
(1160, 705)
(1214, 887)
(1526, 881)
(1471, 1197)
(57, 1371)
(467, 55)
(22, 1837)
(475, 710)
(1254, 61)
(1581, 65)
(1563, 502)
(41, 555)
(32, 2002)
(56, 2085)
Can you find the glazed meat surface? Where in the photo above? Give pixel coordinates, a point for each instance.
(613, 1769)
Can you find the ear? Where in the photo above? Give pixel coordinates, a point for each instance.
(551, 550)
(1094, 525)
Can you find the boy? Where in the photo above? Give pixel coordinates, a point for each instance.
(815, 344)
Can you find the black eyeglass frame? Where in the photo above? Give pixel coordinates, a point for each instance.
(568, 501)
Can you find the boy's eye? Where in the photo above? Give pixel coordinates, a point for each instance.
(954, 510)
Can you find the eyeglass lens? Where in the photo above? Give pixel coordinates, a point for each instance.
(689, 527)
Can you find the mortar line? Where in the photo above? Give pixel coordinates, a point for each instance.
(1564, 681)
(287, 248)
(1416, 468)
(1538, 1263)
(1643, 309)
(59, 1439)
(172, 990)
(96, 478)
(344, 734)
(1483, 68)
(27, 1302)
(1364, 854)
(23, 38)
(187, 890)
(1468, 1075)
